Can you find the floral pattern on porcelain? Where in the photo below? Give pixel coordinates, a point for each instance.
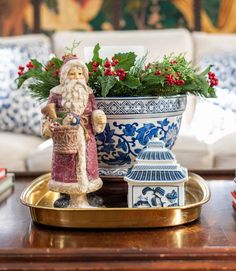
(155, 196)
(132, 122)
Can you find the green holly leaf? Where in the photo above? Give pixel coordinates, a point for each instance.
(211, 93)
(96, 56)
(107, 82)
(205, 72)
(58, 62)
(89, 66)
(126, 60)
(20, 80)
(152, 79)
(37, 64)
(130, 81)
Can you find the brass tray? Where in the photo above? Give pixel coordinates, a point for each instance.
(40, 201)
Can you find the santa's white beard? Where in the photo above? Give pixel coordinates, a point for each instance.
(75, 95)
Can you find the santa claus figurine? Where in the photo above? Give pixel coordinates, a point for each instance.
(72, 120)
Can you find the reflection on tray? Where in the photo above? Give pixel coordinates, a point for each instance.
(173, 237)
(40, 201)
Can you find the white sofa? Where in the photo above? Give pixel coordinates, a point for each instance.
(21, 152)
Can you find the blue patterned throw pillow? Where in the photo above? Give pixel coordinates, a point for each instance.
(19, 112)
(225, 69)
(216, 117)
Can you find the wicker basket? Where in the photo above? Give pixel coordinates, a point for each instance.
(65, 139)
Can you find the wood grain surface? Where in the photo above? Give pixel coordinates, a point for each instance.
(207, 244)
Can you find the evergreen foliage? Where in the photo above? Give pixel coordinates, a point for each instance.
(125, 75)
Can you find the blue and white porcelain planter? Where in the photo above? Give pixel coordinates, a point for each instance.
(132, 122)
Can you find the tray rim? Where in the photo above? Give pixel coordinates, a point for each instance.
(202, 183)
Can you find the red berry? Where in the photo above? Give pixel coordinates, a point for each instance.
(89, 73)
(211, 73)
(173, 62)
(121, 70)
(107, 72)
(114, 61)
(95, 64)
(20, 73)
(158, 72)
(107, 64)
(122, 75)
(169, 76)
(214, 82)
(95, 68)
(21, 68)
(30, 65)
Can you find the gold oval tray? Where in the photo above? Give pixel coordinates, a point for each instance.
(40, 201)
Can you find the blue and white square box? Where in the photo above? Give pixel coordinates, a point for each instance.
(156, 179)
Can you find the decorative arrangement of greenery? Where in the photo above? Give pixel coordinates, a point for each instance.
(124, 76)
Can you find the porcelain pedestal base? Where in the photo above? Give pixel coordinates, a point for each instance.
(79, 201)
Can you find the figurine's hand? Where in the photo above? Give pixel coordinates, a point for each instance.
(102, 119)
(99, 121)
(46, 131)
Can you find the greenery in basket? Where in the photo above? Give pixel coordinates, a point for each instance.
(124, 75)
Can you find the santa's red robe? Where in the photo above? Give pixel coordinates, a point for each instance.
(65, 177)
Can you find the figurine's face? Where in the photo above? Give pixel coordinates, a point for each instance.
(75, 73)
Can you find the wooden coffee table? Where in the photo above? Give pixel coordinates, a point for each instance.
(206, 244)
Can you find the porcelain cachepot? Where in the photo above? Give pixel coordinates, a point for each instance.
(131, 123)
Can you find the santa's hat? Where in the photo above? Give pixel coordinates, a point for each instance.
(69, 64)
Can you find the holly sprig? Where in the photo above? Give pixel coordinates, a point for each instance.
(124, 75)
(44, 78)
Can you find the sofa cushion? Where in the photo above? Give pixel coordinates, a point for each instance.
(193, 153)
(225, 154)
(157, 42)
(40, 159)
(216, 117)
(15, 148)
(19, 112)
(206, 44)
